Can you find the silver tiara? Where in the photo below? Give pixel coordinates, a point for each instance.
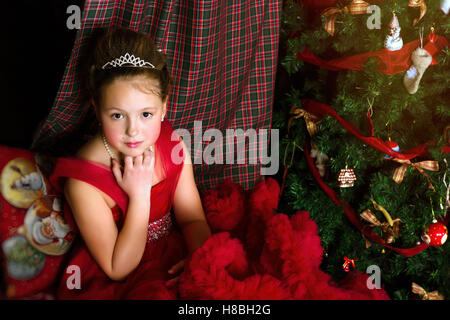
(128, 60)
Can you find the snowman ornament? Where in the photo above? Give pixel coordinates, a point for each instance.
(394, 41)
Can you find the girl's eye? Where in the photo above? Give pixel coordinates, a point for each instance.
(117, 116)
(147, 115)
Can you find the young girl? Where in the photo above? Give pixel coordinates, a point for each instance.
(123, 182)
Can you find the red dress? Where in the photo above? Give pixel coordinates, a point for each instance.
(164, 248)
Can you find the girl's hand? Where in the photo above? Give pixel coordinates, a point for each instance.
(137, 176)
(175, 270)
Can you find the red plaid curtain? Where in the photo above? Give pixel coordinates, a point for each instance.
(222, 56)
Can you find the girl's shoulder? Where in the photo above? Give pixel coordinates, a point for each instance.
(92, 151)
(168, 133)
(171, 146)
(85, 170)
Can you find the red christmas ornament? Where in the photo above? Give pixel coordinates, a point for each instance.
(435, 234)
(393, 145)
(348, 262)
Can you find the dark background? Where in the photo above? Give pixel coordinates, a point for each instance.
(37, 47)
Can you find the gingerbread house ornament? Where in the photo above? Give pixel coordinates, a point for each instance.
(346, 178)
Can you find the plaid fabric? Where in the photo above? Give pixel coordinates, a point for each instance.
(222, 56)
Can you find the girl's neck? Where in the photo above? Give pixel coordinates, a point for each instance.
(94, 150)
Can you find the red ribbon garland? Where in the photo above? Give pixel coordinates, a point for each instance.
(321, 110)
(390, 62)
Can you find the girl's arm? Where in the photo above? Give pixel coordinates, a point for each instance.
(188, 207)
(117, 253)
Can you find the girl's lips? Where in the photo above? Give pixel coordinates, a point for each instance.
(133, 144)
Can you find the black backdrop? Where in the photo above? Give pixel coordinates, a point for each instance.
(34, 55)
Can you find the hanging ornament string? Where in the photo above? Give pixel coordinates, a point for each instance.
(447, 194)
(432, 210)
(353, 8)
(423, 9)
(389, 129)
(370, 102)
(369, 116)
(287, 165)
(421, 37)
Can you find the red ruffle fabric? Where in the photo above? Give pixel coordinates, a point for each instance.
(268, 255)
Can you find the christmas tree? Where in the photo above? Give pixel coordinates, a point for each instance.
(364, 86)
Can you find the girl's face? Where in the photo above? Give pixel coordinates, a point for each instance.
(130, 117)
